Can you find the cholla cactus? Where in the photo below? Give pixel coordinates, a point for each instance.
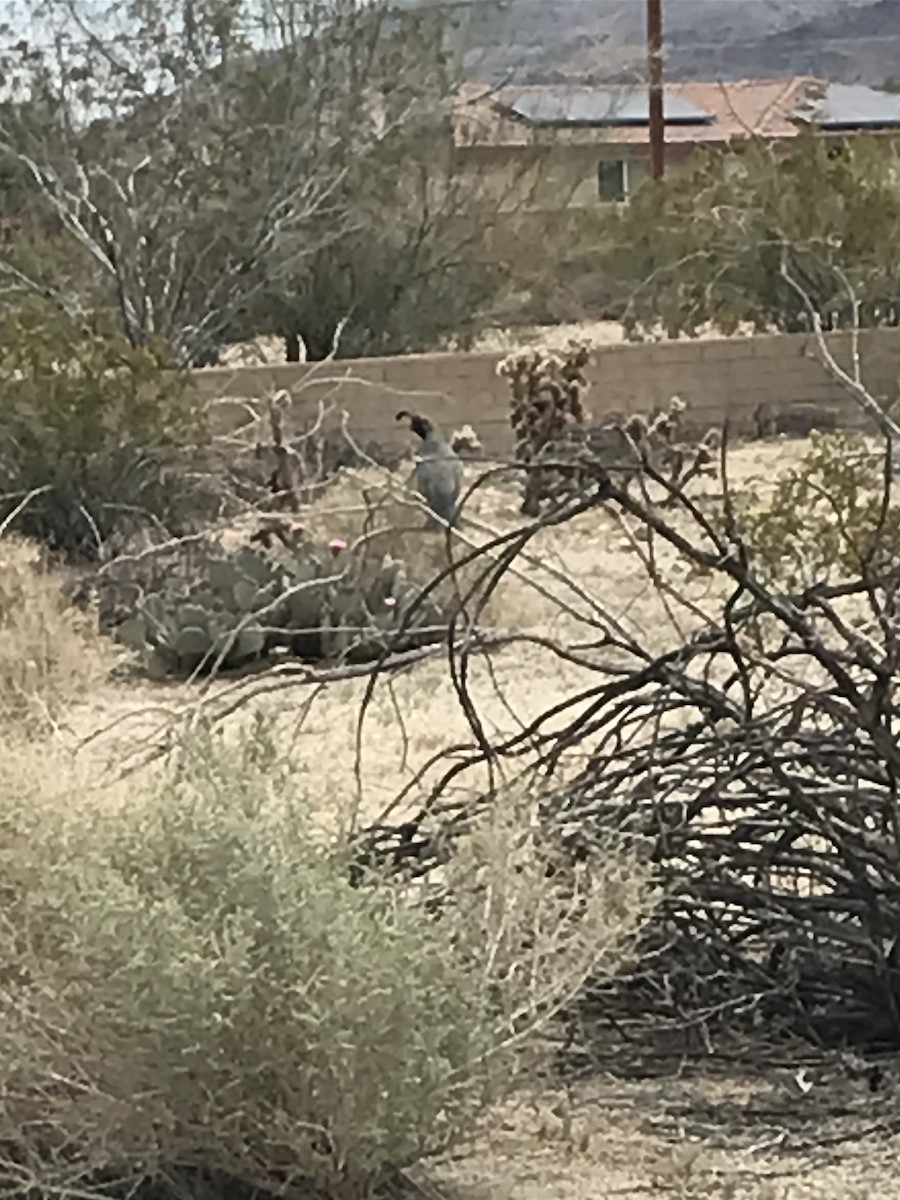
(547, 403)
(286, 469)
(667, 446)
(547, 396)
(551, 425)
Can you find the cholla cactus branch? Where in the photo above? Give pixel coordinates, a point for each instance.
(563, 448)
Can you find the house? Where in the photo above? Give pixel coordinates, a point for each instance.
(576, 145)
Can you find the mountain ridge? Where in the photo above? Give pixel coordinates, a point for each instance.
(546, 41)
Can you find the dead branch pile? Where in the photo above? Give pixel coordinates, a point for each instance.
(772, 814)
(757, 765)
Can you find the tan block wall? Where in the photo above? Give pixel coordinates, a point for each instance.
(720, 379)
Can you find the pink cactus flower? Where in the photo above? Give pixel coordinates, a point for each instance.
(390, 601)
(336, 545)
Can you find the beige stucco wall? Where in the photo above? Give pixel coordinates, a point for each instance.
(719, 379)
(552, 176)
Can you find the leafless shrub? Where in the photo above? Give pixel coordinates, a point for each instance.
(297, 468)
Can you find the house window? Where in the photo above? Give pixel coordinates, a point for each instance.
(618, 178)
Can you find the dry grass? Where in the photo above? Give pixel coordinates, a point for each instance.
(50, 654)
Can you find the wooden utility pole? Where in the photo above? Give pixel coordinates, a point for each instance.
(655, 76)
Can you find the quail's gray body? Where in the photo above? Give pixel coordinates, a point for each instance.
(439, 470)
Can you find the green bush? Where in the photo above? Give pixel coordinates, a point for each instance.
(94, 434)
(712, 245)
(191, 980)
(825, 518)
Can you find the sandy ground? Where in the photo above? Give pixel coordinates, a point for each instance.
(264, 350)
(557, 337)
(556, 593)
(711, 1137)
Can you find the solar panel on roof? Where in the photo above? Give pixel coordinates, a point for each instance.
(601, 107)
(851, 106)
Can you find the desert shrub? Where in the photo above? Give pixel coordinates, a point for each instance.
(101, 433)
(296, 467)
(323, 454)
(50, 652)
(201, 985)
(826, 517)
(734, 239)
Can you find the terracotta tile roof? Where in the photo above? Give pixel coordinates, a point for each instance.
(741, 109)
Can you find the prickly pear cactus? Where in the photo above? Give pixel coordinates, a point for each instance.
(301, 610)
(311, 601)
(221, 622)
(365, 611)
